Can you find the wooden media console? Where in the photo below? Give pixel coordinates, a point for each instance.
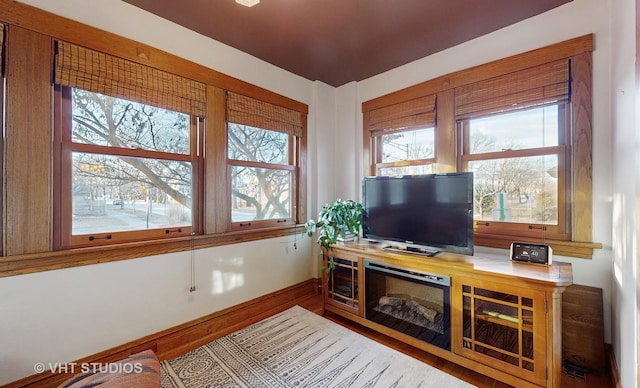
(498, 317)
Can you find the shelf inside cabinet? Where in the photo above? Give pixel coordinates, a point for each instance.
(501, 319)
(343, 284)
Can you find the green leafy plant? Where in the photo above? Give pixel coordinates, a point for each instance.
(334, 222)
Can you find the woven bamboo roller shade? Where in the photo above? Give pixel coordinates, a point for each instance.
(79, 67)
(255, 113)
(537, 85)
(407, 114)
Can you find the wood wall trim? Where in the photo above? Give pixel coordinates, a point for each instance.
(29, 157)
(498, 67)
(582, 158)
(27, 143)
(612, 365)
(216, 190)
(58, 27)
(180, 339)
(579, 49)
(47, 261)
(301, 209)
(446, 133)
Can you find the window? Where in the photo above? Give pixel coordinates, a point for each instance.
(155, 160)
(402, 138)
(406, 152)
(514, 136)
(521, 124)
(263, 145)
(129, 157)
(131, 168)
(518, 160)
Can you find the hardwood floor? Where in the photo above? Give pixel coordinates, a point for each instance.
(180, 339)
(315, 304)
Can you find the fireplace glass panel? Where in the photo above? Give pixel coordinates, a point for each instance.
(411, 303)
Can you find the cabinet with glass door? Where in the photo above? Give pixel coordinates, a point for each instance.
(504, 327)
(342, 282)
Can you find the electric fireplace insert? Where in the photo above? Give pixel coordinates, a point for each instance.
(411, 302)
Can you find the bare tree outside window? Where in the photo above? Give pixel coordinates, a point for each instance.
(525, 186)
(409, 152)
(509, 186)
(131, 166)
(261, 174)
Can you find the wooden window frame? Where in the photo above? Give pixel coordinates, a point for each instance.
(29, 220)
(63, 237)
(578, 239)
(377, 151)
(396, 116)
(264, 115)
(291, 167)
(561, 231)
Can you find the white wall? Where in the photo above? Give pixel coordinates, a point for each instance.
(60, 316)
(127, 291)
(347, 131)
(63, 315)
(324, 124)
(615, 143)
(559, 24)
(626, 188)
(126, 20)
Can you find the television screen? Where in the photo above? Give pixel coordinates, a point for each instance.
(429, 211)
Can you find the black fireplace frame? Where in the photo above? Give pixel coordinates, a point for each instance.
(442, 282)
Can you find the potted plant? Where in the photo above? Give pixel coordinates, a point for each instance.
(336, 221)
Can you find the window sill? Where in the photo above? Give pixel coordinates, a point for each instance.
(582, 250)
(47, 261)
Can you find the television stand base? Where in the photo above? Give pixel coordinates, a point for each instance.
(423, 251)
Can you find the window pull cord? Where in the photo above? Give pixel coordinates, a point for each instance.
(192, 288)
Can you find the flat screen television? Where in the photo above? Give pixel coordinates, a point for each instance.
(421, 214)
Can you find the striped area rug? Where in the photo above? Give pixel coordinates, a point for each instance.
(298, 348)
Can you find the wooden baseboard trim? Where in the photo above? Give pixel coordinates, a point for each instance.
(612, 366)
(180, 339)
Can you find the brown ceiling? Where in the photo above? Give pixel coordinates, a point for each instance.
(339, 41)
